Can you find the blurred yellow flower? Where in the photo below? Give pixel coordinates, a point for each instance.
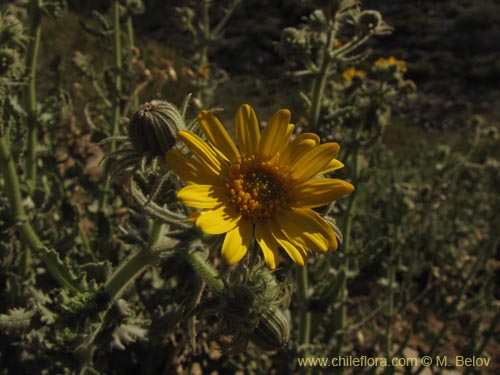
(401, 64)
(352, 72)
(263, 190)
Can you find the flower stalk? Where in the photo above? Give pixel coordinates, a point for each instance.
(131, 45)
(130, 269)
(116, 101)
(117, 59)
(320, 80)
(391, 277)
(202, 269)
(304, 313)
(35, 31)
(340, 313)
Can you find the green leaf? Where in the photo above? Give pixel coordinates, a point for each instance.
(62, 271)
(16, 318)
(83, 64)
(127, 334)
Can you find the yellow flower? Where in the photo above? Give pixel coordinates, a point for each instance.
(263, 190)
(352, 72)
(401, 64)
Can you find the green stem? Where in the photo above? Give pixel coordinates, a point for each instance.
(116, 100)
(154, 232)
(320, 80)
(28, 234)
(125, 274)
(100, 93)
(304, 313)
(390, 307)
(117, 56)
(129, 270)
(222, 22)
(130, 31)
(86, 243)
(202, 269)
(131, 44)
(35, 30)
(203, 61)
(340, 312)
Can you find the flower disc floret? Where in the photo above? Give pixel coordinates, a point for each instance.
(257, 189)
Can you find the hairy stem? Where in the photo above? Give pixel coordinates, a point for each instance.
(202, 269)
(35, 30)
(28, 234)
(320, 80)
(116, 100)
(340, 312)
(391, 276)
(155, 228)
(117, 59)
(131, 44)
(304, 313)
(129, 270)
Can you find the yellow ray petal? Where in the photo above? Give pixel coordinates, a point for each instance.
(333, 165)
(274, 136)
(317, 225)
(217, 135)
(299, 146)
(307, 227)
(219, 220)
(318, 192)
(202, 150)
(267, 244)
(247, 130)
(237, 242)
(313, 161)
(189, 169)
(295, 250)
(202, 196)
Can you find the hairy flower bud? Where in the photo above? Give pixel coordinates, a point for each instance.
(135, 6)
(252, 312)
(154, 126)
(317, 21)
(371, 22)
(183, 18)
(11, 31)
(273, 331)
(10, 64)
(293, 42)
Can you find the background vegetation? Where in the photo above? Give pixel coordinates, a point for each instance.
(418, 270)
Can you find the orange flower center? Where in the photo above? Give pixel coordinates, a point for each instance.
(257, 188)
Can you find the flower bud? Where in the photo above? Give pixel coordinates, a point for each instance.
(293, 42)
(317, 21)
(252, 311)
(11, 31)
(154, 126)
(183, 17)
(135, 6)
(10, 64)
(273, 331)
(368, 21)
